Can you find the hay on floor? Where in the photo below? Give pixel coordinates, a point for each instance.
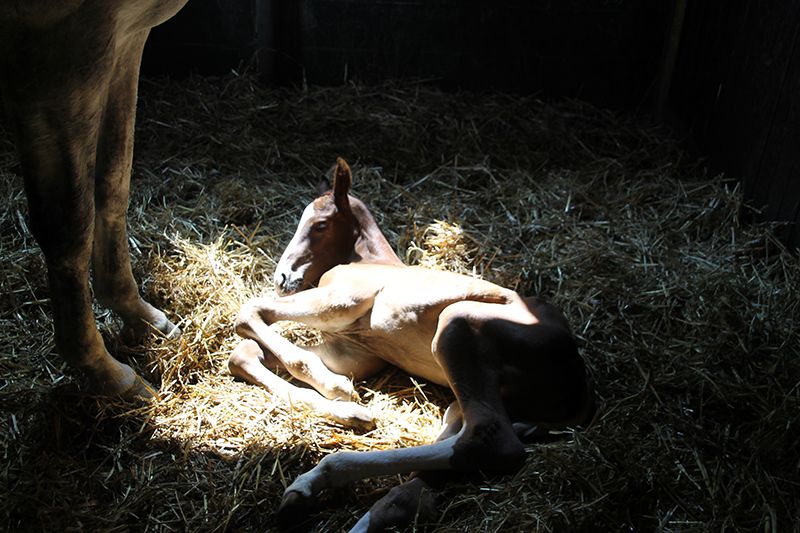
(686, 314)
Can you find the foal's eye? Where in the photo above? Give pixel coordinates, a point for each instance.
(320, 226)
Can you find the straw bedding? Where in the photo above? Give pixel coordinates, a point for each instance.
(686, 314)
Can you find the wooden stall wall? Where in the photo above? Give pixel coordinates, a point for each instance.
(736, 90)
(606, 52)
(205, 37)
(603, 51)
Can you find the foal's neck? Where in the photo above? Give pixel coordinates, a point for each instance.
(371, 245)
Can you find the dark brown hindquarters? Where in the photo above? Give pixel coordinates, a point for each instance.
(543, 379)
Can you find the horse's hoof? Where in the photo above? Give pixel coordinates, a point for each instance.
(113, 379)
(134, 335)
(141, 390)
(293, 511)
(352, 415)
(149, 321)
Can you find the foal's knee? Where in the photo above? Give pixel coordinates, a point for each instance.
(242, 323)
(454, 333)
(244, 354)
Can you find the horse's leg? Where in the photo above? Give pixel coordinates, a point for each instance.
(55, 122)
(486, 442)
(301, 363)
(253, 322)
(413, 501)
(114, 284)
(249, 362)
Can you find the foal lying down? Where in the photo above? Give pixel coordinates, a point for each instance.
(511, 361)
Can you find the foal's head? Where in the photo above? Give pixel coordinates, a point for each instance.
(331, 232)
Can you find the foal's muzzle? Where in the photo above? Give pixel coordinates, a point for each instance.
(288, 281)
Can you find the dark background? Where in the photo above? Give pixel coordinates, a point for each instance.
(724, 74)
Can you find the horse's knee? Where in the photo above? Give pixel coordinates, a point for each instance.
(242, 323)
(245, 353)
(454, 332)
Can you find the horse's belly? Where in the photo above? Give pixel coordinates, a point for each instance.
(403, 336)
(92, 14)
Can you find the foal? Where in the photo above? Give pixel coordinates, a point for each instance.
(511, 362)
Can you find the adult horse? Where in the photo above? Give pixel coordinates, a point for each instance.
(511, 361)
(68, 78)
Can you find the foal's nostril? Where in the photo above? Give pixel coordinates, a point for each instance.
(281, 280)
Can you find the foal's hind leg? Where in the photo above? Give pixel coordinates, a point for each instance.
(114, 284)
(415, 499)
(472, 363)
(486, 442)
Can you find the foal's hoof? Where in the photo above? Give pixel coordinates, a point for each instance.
(352, 415)
(171, 331)
(340, 388)
(412, 501)
(293, 511)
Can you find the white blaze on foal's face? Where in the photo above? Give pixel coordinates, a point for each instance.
(325, 237)
(296, 258)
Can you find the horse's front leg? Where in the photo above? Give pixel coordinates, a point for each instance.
(249, 362)
(113, 281)
(255, 318)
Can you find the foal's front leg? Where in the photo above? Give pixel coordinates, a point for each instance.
(248, 362)
(316, 308)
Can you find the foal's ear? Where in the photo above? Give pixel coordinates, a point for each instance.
(342, 178)
(323, 186)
